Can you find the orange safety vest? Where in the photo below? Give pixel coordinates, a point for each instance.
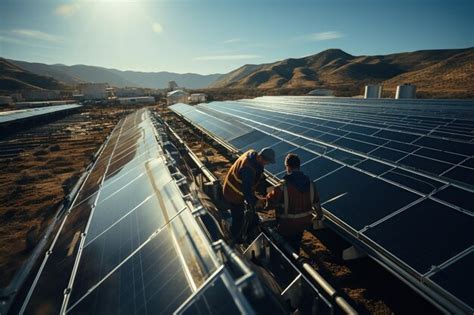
(232, 188)
(296, 212)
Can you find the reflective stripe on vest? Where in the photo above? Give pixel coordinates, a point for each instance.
(234, 188)
(295, 216)
(238, 180)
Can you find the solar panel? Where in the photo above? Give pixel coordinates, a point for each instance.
(10, 116)
(386, 170)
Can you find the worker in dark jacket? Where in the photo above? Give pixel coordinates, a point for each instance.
(240, 184)
(295, 200)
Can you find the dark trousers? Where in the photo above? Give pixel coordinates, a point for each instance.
(237, 211)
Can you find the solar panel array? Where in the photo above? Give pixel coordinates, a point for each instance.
(395, 177)
(9, 116)
(129, 243)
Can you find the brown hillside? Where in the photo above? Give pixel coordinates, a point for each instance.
(455, 75)
(337, 69)
(12, 78)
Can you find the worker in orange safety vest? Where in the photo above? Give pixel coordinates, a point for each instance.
(295, 200)
(240, 184)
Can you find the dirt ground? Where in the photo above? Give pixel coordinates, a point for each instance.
(38, 167)
(370, 288)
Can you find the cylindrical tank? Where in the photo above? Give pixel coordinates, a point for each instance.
(406, 91)
(373, 91)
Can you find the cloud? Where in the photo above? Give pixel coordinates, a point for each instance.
(25, 42)
(233, 41)
(34, 34)
(316, 37)
(228, 57)
(66, 9)
(157, 28)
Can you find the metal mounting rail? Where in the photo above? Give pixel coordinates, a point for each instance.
(249, 278)
(311, 272)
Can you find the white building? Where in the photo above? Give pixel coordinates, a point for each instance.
(178, 96)
(130, 92)
(373, 91)
(136, 100)
(197, 98)
(406, 91)
(93, 91)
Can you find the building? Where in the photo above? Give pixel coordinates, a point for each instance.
(197, 98)
(373, 91)
(93, 91)
(406, 91)
(130, 92)
(172, 85)
(136, 100)
(321, 92)
(178, 96)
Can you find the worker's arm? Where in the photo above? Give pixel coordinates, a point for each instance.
(247, 180)
(274, 196)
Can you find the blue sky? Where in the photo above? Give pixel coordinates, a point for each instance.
(218, 36)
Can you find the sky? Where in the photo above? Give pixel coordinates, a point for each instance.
(218, 36)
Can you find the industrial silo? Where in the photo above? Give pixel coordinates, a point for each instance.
(373, 91)
(406, 91)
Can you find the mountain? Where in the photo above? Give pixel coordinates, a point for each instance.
(73, 75)
(449, 69)
(14, 78)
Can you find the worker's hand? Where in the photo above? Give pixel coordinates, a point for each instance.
(260, 196)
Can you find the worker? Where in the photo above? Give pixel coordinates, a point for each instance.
(295, 200)
(240, 184)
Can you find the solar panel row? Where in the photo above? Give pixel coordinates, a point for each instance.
(397, 176)
(129, 239)
(10, 116)
(130, 243)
